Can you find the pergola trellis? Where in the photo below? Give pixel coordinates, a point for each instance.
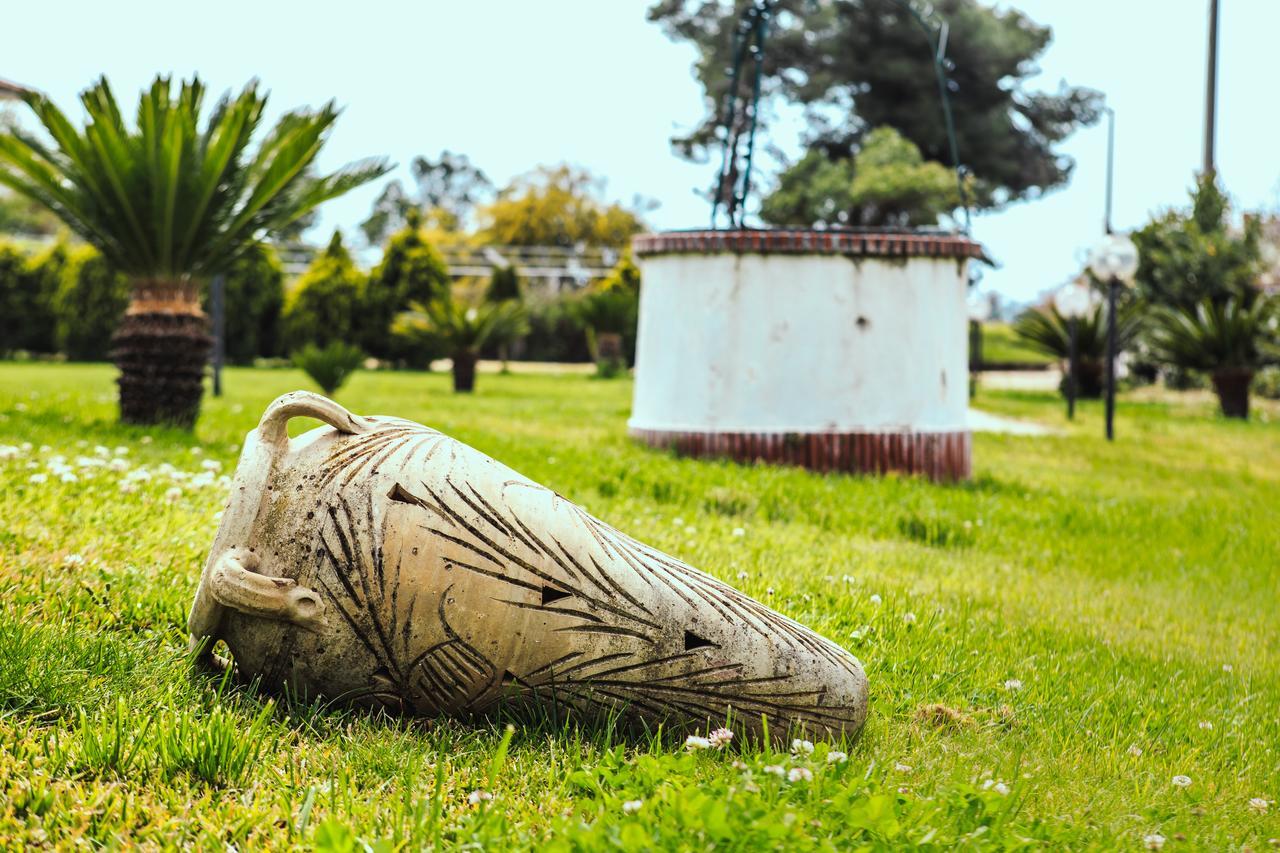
(550, 269)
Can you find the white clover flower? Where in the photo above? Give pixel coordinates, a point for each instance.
(909, 618)
(847, 578)
(800, 774)
(211, 465)
(121, 451)
(902, 768)
(678, 521)
(1205, 726)
(1154, 841)
(1135, 750)
(26, 446)
(146, 439)
(1226, 667)
(1181, 781)
(986, 786)
(99, 450)
(173, 495)
(632, 806)
(1013, 684)
(691, 530)
(802, 747)
(478, 796)
(1002, 789)
(835, 756)
(118, 465)
(742, 576)
(720, 738)
(68, 477)
(1259, 805)
(128, 487)
(695, 742)
(875, 599)
(739, 531)
(37, 479)
(197, 451)
(855, 634)
(138, 474)
(8, 451)
(775, 769)
(73, 560)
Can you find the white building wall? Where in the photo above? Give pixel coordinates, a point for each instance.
(801, 343)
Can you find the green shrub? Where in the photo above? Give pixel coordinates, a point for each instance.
(90, 300)
(326, 304)
(1267, 383)
(329, 366)
(27, 288)
(504, 285)
(555, 333)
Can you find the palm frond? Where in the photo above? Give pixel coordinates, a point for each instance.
(168, 197)
(1218, 335)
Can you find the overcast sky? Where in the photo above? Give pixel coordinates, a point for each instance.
(516, 83)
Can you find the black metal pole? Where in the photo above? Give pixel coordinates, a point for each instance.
(1211, 90)
(1071, 372)
(1111, 357)
(218, 307)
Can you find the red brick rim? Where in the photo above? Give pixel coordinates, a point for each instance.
(800, 241)
(943, 456)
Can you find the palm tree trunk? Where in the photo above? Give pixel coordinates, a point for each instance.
(1232, 386)
(464, 371)
(161, 348)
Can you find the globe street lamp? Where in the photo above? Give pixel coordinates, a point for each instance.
(1115, 261)
(1072, 301)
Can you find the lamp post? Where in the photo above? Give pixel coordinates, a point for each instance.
(1072, 302)
(1115, 261)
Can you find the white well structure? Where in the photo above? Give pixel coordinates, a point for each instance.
(835, 350)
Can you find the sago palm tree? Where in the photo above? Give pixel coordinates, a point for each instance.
(1047, 331)
(168, 204)
(1229, 340)
(462, 329)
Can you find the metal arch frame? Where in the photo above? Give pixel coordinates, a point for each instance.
(750, 36)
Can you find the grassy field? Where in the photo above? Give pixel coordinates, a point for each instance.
(1001, 346)
(1079, 648)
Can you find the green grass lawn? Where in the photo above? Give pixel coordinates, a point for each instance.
(1049, 646)
(1001, 346)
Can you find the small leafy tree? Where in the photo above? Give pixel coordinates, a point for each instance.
(887, 183)
(1231, 341)
(329, 366)
(1186, 257)
(1201, 275)
(558, 206)
(462, 327)
(169, 202)
(326, 304)
(411, 270)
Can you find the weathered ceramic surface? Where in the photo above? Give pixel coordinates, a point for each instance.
(381, 562)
